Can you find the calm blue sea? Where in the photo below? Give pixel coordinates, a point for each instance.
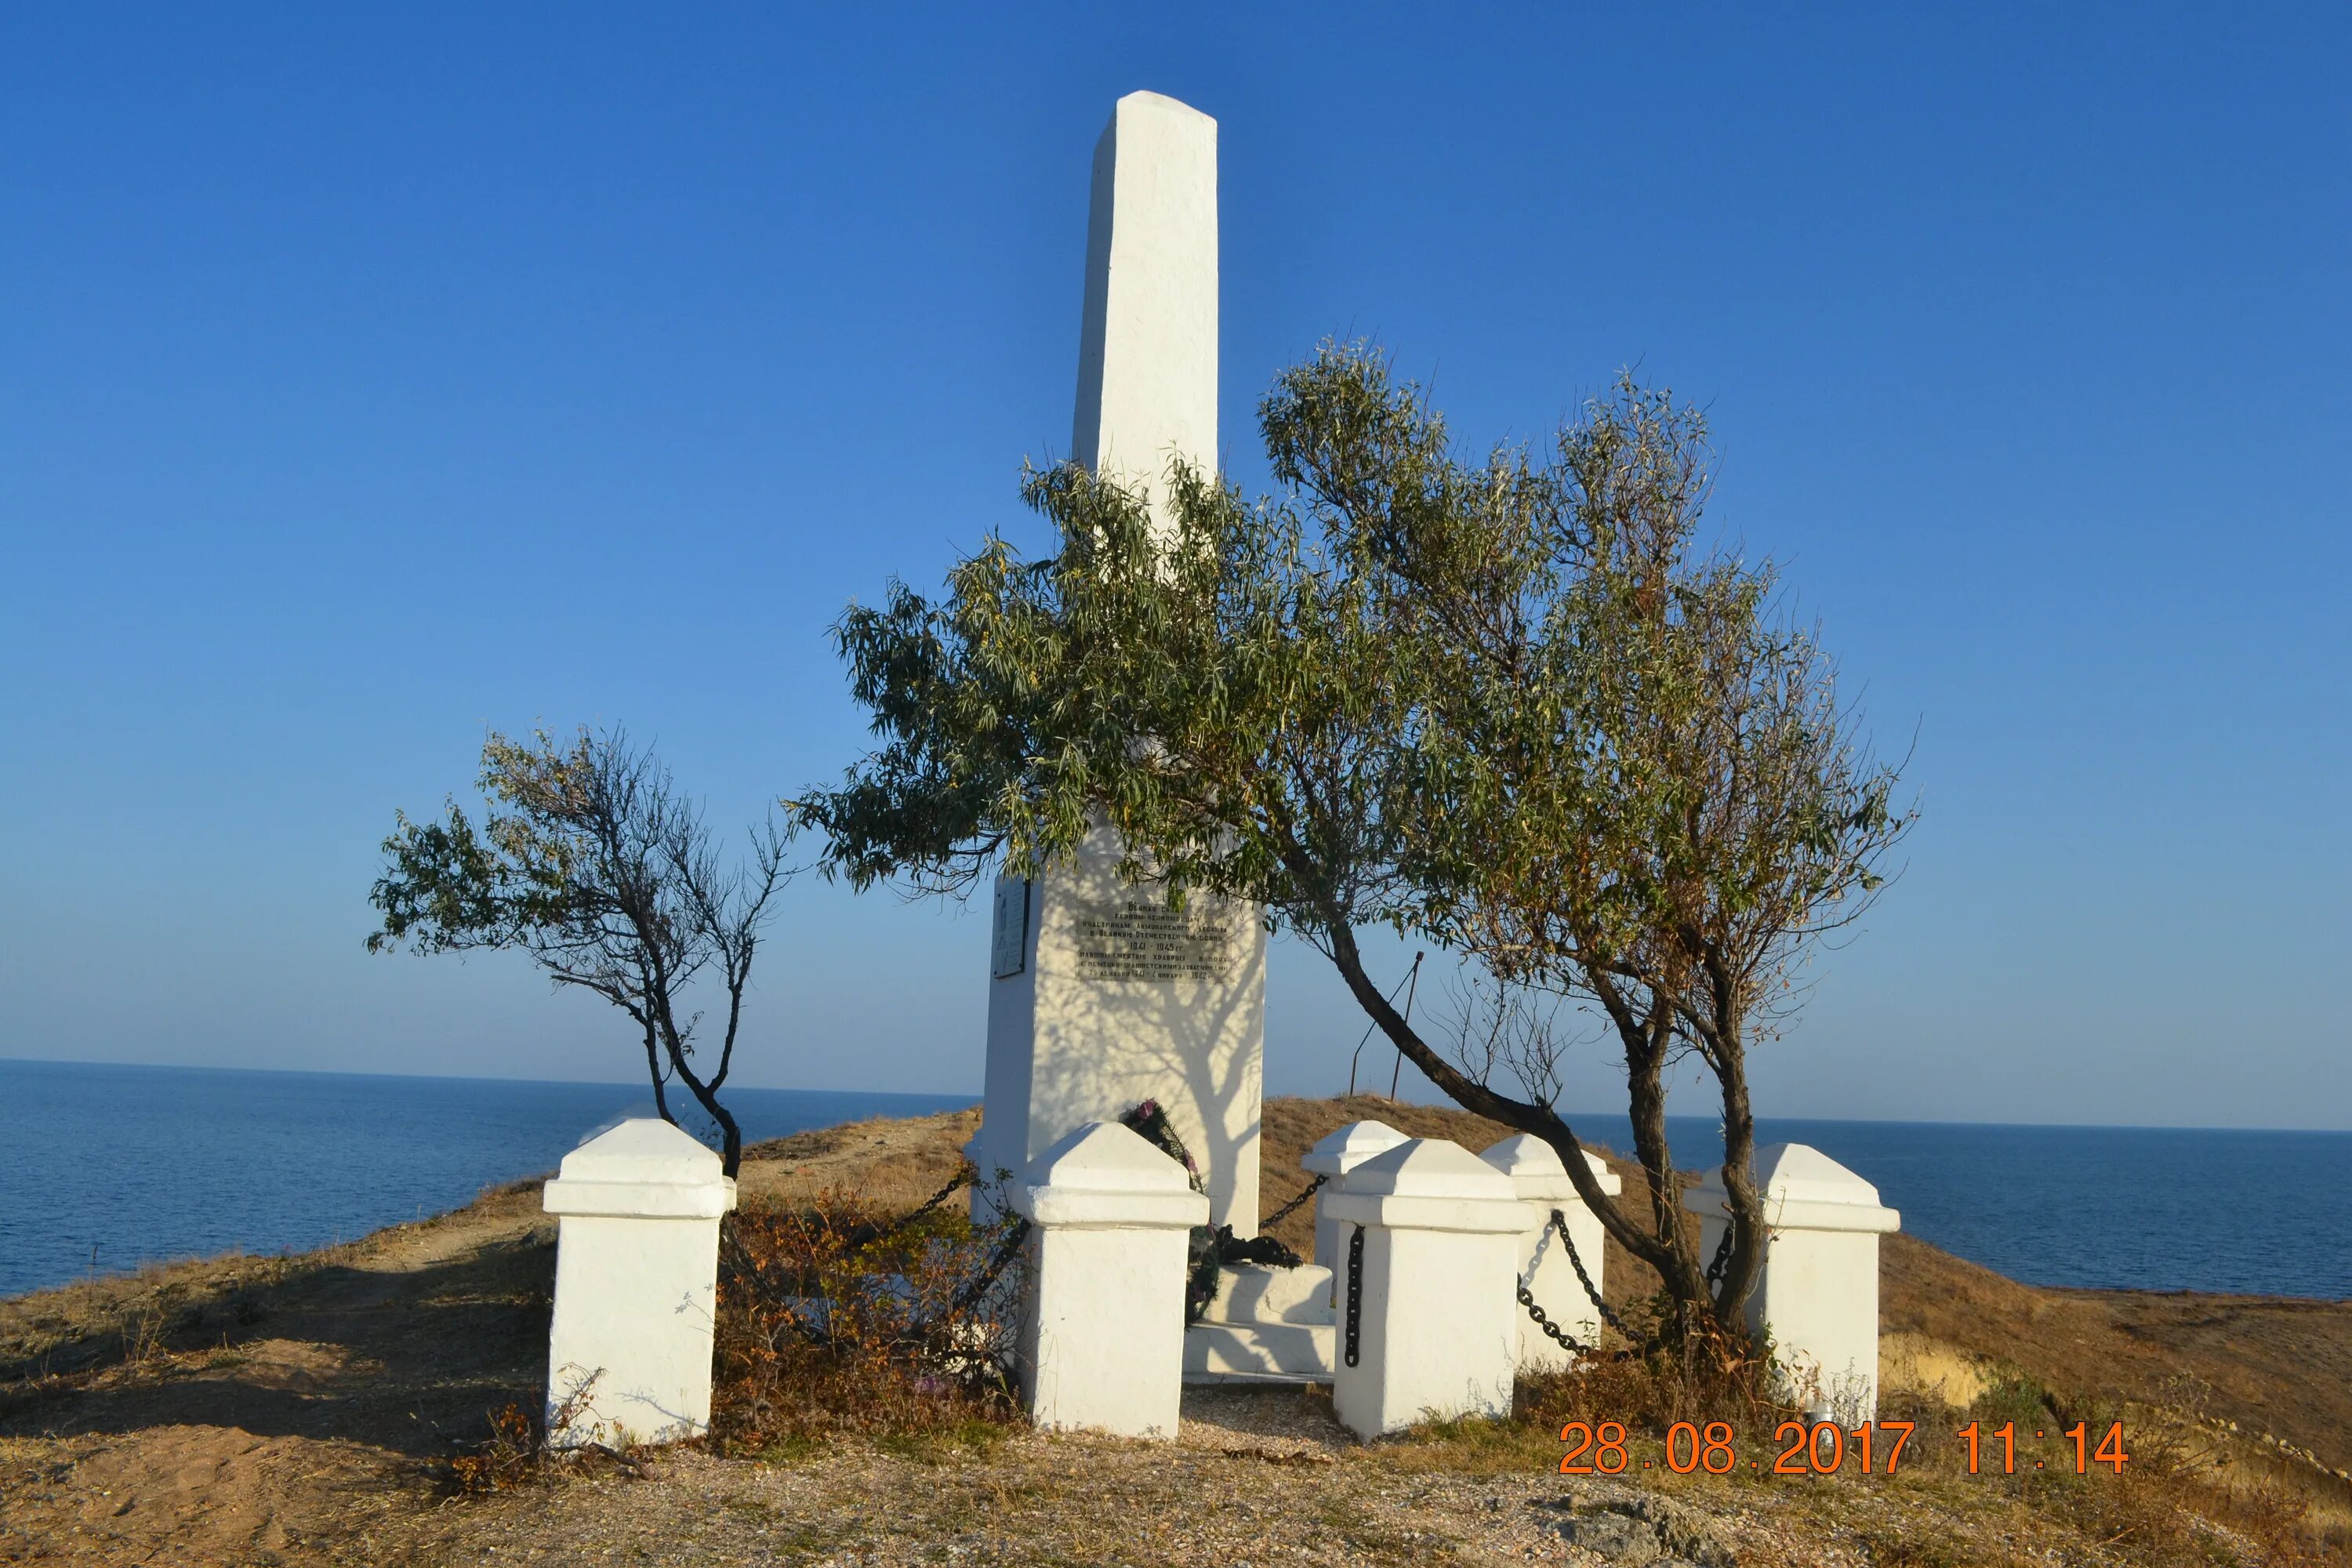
(159, 1162)
(2142, 1208)
(149, 1164)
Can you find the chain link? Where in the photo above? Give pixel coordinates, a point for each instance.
(1005, 1253)
(1287, 1210)
(1722, 1254)
(867, 1235)
(1559, 1335)
(1355, 1294)
(962, 1178)
(1560, 1223)
(1556, 1334)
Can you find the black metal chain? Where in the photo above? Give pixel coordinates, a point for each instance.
(1722, 1254)
(1287, 1210)
(868, 1234)
(1559, 1335)
(1355, 1295)
(962, 1178)
(1005, 1252)
(1560, 1223)
(1556, 1334)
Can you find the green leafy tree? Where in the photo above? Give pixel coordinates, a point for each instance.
(590, 861)
(1505, 705)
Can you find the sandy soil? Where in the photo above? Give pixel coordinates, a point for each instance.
(245, 1411)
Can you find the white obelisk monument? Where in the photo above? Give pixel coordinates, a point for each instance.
(1099, 995)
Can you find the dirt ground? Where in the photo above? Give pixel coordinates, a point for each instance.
(245, 1411)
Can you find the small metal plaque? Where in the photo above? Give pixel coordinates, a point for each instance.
(1009, 945)
(1142, 939)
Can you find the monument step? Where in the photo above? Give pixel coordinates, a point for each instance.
(1259, 1352)
(1259, 1293)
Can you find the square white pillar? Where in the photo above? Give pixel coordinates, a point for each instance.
(637, 1277)
(1436, 1318)
(1101, 997)
(1544, 1269)
(1340, 1152)
(1818, 1296)
(1102, 1336)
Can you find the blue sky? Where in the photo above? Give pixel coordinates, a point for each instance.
(372, 376)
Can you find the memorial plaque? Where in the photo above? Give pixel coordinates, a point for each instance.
(1009, 949)
(1143, 939)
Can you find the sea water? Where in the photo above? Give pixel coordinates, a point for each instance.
(104, 1168)
(2141, 1208)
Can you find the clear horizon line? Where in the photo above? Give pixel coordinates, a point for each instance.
(975, 1095)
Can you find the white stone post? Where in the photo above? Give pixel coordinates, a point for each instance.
(1818, 1296)
(1102, 1337)
(1339, 1154)
(1544, 1266)
(1435, 1318)
(636, 1285)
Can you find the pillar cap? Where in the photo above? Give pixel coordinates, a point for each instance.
(1343, 1149)
(1158, 102)
(1428, 1183)
(1803, 1189)
(641, 1168)
(1106, 1176)
(1534, 1165)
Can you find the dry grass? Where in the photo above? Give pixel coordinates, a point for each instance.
(889, 1162)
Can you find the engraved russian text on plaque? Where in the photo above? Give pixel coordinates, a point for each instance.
(1143, 939)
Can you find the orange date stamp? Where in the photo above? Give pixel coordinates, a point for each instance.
(1826, 1449)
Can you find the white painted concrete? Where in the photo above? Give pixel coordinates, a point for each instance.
(1264, 1325)
(1261, 1293)
(1298, 1354)
(1100, 999)
(1148, 350)
(1341, 1152)
(1818, 1297)
(1102, 1336)
(1439, 1318)
(1542, 1183)
(1069, 1044)
(636, 1272)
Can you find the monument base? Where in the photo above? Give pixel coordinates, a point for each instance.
(1101, 997)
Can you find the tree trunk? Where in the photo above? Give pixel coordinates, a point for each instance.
(1746, 1264)
(730, 1153)
(652, 1067)
(1540, 1121)
(1646, 1105)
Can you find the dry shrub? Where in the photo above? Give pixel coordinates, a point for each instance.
(836, 1319)
(1669, 1366)
(1647, 1389)
(517, 1452)
(1649, 1395)
(145, 1337)
(508, 1457)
